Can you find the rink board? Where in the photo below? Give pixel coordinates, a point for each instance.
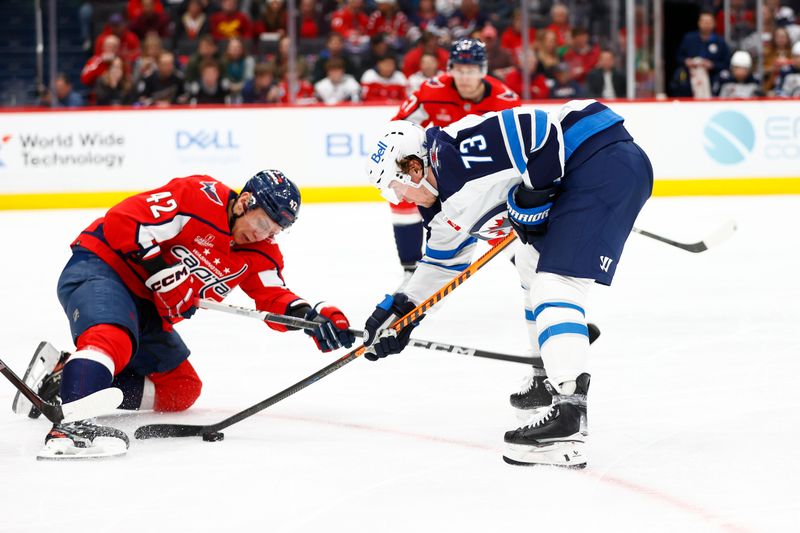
(94, 157)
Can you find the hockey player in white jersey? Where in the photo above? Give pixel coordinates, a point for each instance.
(570, 184)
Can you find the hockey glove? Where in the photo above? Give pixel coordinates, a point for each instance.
(380, 341)
(332, 330)
(175, 292)
(529, 211)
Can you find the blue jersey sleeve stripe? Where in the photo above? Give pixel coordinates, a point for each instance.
(586, 127)
(529, 315)
(510, 125)
(541, 128)
(566, 305)
(458, 268)
(563, 329)
(448, 254)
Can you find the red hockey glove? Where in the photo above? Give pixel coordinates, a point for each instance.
(333, 328)
(175, 292)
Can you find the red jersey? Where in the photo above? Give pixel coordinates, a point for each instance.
(346, 22)
(229, 25)
(537, 84)
(186, 221)
(438, 103)
(375, 88)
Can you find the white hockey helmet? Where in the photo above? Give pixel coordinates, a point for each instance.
(398, 140)
(742, 59)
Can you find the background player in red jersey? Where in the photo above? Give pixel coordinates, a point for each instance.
(465, 89)
(139, 270)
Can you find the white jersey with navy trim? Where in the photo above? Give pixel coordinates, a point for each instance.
(476, 161)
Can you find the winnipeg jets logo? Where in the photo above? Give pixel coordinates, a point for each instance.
(605, 263)
(210, 190)
(434, 155)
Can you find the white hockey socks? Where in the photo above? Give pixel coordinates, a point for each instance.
(558, 304)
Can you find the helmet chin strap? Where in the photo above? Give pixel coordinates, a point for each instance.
(429, 186)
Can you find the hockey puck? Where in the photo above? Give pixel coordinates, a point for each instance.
(214, 436)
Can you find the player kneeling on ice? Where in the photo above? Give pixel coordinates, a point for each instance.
(571, 185)
(139, 270)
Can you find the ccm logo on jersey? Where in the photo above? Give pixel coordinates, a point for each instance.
(168, 278)
(378, 155)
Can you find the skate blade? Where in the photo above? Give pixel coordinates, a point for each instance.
(101, 448)
(44, 359)
(569, 454)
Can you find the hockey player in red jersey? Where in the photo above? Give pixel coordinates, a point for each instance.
(465, 89)
(140, 269)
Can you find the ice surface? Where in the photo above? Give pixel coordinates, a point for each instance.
(693, 406)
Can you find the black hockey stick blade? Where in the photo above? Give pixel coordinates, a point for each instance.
(170, 430)
(721, 234)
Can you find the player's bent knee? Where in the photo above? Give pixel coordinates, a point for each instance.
(176, 390)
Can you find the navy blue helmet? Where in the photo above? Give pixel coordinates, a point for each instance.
(469, 52)
(275, 194)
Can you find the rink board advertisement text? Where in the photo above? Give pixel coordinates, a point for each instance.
(94, 157)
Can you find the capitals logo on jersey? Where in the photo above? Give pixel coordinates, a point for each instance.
(205, 269)
(210, 190)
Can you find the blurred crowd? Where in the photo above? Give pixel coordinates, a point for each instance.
(165, 52)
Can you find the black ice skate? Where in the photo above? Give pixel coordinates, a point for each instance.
(533, 396)
(83, 440)
(43, 376)
(556, 437)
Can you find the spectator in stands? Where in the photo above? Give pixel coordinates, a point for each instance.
(447, 7)
(147, 63)
(428, 68)
(501, 61)
(337, 86)
(788, 84)
(334, 48)
(741, 20)
(378, 48)
(750, 43)
(511, 39)
(702, 55)
(136, 7)
(428, 44)
(128, 48)
(384, 82)
(272, 19)
(425, 16)
(559, 23)
(99, 63)
(189, 28)
(606, 81)
(263, 88)
(165, 86)
(548, 54)
(114, 87)
(389, 20)
(739, 82)
(777, 54)
(229, 22)
(581, 55)
(210, 88)
(310, 24)
(206, 50)
(150, 21)
(66, 96)
(305, 91)
(237, 66)
(537, 82)
(351, 22)
(467, 19)
(563, 86)
(785, 18)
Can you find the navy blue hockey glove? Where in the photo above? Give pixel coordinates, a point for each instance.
(529, 211)
(332, 330)
(381, 342)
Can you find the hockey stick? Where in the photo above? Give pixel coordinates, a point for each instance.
(594, 333)
(100, 403)
(724, 231)
(211, 432)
